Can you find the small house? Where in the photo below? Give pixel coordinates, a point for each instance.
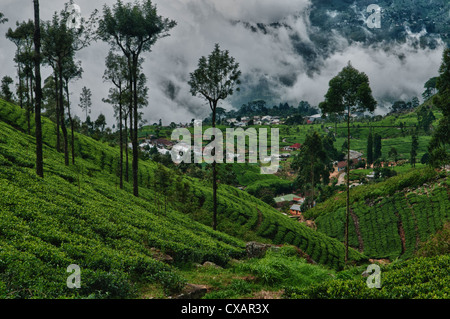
(295, 210)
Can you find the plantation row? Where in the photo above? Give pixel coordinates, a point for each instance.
(392, 226)
(48, 224)
(241, 210)
(417, 278)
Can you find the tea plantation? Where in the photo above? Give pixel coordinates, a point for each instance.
(78, 215)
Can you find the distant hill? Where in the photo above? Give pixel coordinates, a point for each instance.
(389, 219)
(421, 23)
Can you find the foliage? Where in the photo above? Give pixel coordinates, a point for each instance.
(386, 212)
(282, 267)
(418, 278)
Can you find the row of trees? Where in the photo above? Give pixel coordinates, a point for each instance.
(57, 44)
(130, 29)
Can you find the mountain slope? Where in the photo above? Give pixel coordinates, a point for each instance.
(389, 219)
(78, 215)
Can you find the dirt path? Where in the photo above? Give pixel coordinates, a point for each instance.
(401, 232)
(416, 228)
(358, 232)
(341, 179)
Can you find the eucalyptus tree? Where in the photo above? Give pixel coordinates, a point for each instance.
(85, 100)
(312, 164)
(117, 73)
(414, 147)
(72, 71)
(60, 43)
(348, 92)
(215, 79)
(133, 28)
(38, 90)
(22, 37)
(5, 89)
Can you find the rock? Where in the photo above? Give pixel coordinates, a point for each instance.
(256, 250)
(192, 291)
(210, 264)
(158, 255)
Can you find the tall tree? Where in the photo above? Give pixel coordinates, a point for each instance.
(349, 91)
(116, 73)
(312, 164)
(215, 79)
(393, 154)
(72, 71)
(133, 29)
(425, 118)
(85, 100)
(38, 91)
(370, 149)
(414, 147)
(22, 37)
(60, 43)
(441, 136)
(430, 88)
(7, 94)
(377, 144)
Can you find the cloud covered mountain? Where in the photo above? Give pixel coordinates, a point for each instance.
(288, 50)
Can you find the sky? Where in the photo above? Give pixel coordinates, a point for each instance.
(397, 73)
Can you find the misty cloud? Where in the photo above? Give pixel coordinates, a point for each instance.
(273, 41)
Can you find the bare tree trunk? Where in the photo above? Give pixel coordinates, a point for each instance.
(37, 112)
(20, 85)
(126, 148)
(135, 130)
(58, 138)
(63, 124)
(120, 141)
(348, 187)
(214, 168)
(29, 105)
(312, 183)
(71, 124)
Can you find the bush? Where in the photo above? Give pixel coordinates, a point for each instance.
(106, 285)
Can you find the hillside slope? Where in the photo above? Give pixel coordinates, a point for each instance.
(78, 215)
(389, 219)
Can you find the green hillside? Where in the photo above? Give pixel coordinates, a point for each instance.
(78, 215)
(389, 219)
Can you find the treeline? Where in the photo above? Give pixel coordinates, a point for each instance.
(260, 108)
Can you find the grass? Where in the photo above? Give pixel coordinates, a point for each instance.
(279, 268)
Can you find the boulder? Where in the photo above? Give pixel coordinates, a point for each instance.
(159, 255)
(256, 250)
(192, 291)
(210, 264)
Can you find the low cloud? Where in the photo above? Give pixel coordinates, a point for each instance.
(264, 36)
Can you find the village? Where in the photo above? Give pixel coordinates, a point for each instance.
(289, 204)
